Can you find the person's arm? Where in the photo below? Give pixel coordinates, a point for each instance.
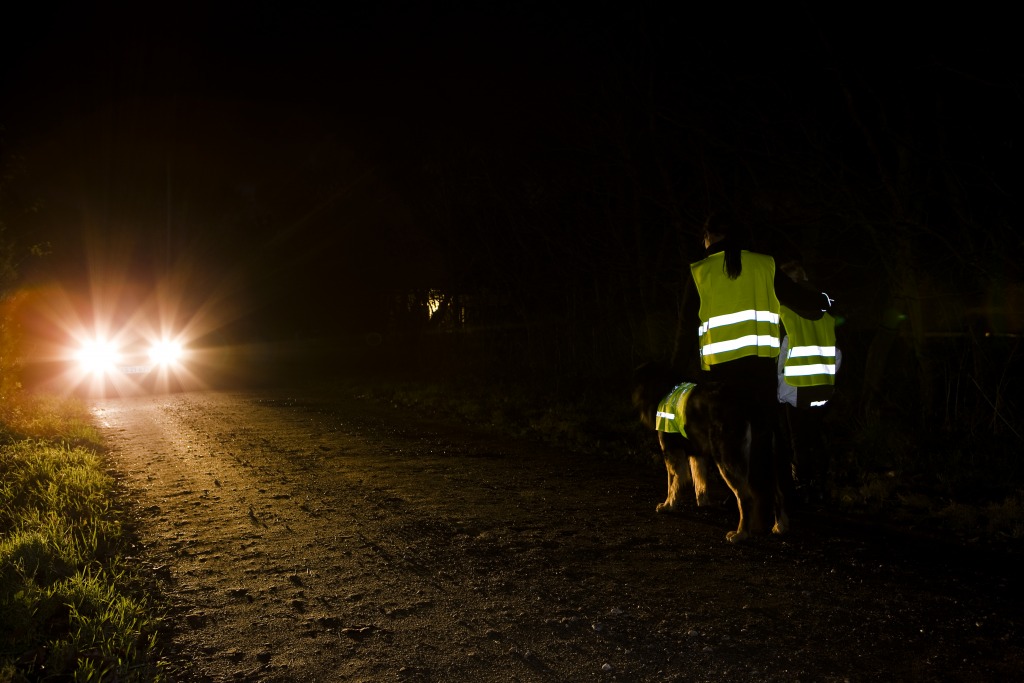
(786, 392)
(687, 350)
(805, 301)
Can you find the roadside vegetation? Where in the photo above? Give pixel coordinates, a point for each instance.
(71, 605)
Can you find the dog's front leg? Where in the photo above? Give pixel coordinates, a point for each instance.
(673, 463)
(699, 472)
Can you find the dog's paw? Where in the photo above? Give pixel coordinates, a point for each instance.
(665, 507)
(736, 536)
(703, 500)
(781, 525)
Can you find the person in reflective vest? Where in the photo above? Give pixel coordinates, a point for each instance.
(808, 362)
(741, 294)
(739, 315)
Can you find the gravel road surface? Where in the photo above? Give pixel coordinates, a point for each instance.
(311, 535)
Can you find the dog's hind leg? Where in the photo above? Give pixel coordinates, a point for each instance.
(744, 503)
(782, 472)
(762, 479)
(736, 473)
(781, 519)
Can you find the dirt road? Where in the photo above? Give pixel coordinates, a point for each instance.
(318, 537)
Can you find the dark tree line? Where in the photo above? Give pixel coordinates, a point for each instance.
(893, 180)
(534, 211)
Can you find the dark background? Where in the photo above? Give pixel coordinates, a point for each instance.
(539, 171)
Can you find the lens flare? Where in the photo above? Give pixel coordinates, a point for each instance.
(166, 352)
(97, 356)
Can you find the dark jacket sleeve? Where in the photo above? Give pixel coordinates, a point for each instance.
(686, 356)
(805, 301)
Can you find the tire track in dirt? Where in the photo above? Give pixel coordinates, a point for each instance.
(240, 564)
(297, 554)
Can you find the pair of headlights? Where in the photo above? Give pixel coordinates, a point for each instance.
(99, 356)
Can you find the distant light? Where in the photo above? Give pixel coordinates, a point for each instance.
(434, 299)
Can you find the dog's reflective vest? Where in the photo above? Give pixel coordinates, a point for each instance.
(811, 356)
(671, 416)
(738, 317)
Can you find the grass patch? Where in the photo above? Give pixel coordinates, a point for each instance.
(70, 606)
(52, 419)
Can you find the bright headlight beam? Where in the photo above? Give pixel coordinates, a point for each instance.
(165, 352)
(97, 356)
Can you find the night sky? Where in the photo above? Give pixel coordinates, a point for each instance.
(292, 168)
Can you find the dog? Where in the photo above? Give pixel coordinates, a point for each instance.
(723, 429)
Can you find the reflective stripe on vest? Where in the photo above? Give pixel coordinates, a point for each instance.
(811, 357)
(738, 317)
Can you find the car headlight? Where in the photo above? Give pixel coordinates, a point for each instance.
(97, 356)
(165, 352)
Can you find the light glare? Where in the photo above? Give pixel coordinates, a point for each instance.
(165, 352)
(97, 356)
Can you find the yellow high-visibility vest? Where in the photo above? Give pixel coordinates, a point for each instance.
(671, 415)
(811, 355)
(738, 317)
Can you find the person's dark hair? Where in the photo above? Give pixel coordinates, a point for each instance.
(725, 225)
